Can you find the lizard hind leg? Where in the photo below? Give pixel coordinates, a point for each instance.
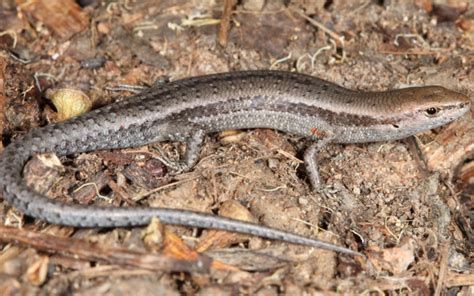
(193, 136)
(312, 168)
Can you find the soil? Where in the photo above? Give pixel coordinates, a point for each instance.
(407, 205)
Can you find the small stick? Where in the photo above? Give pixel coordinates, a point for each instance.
(443, 268)
(225, 22)
(84, 250)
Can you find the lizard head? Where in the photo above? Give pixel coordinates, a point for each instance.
(401, 113)
(431, 106)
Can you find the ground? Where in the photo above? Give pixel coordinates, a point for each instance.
(407, 205)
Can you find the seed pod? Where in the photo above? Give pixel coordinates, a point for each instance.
(69, 102)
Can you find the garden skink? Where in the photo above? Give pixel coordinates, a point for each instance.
(188, 109)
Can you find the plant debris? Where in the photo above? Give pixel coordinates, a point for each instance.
(407, 205)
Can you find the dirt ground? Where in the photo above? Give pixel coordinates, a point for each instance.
(407, 205)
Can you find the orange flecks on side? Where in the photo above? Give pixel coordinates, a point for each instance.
(318, 133)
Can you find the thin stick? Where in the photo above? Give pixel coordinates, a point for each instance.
(84, 250)
(225, 22)
(443, 268)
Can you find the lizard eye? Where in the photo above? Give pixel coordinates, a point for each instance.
(432, 111)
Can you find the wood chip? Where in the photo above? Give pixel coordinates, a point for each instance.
(214, 239)
(63, 17)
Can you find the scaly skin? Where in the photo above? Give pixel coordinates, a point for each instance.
(187, 109)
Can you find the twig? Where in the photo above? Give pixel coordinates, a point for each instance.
(145, 194)
(454, 279)
(279, 61)
(94, 252)
(416, 52)
(97, 191)
(320, 26)
(443, 268)
(107, 271)
(225, 22)
(36, 77)
(312, 58)
(136, 89)
(416, 36)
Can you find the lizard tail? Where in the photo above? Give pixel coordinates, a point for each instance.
(31, 203)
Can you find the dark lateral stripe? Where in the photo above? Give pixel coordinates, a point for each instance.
(260, 103)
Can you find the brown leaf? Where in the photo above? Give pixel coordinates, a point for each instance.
(216, 239)
(37, 272)
(395, 260)
(63, 17)
(174, 247)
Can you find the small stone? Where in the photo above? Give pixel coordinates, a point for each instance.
(254, 5)
(302, 201)
(356, 190)
(273, 163)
